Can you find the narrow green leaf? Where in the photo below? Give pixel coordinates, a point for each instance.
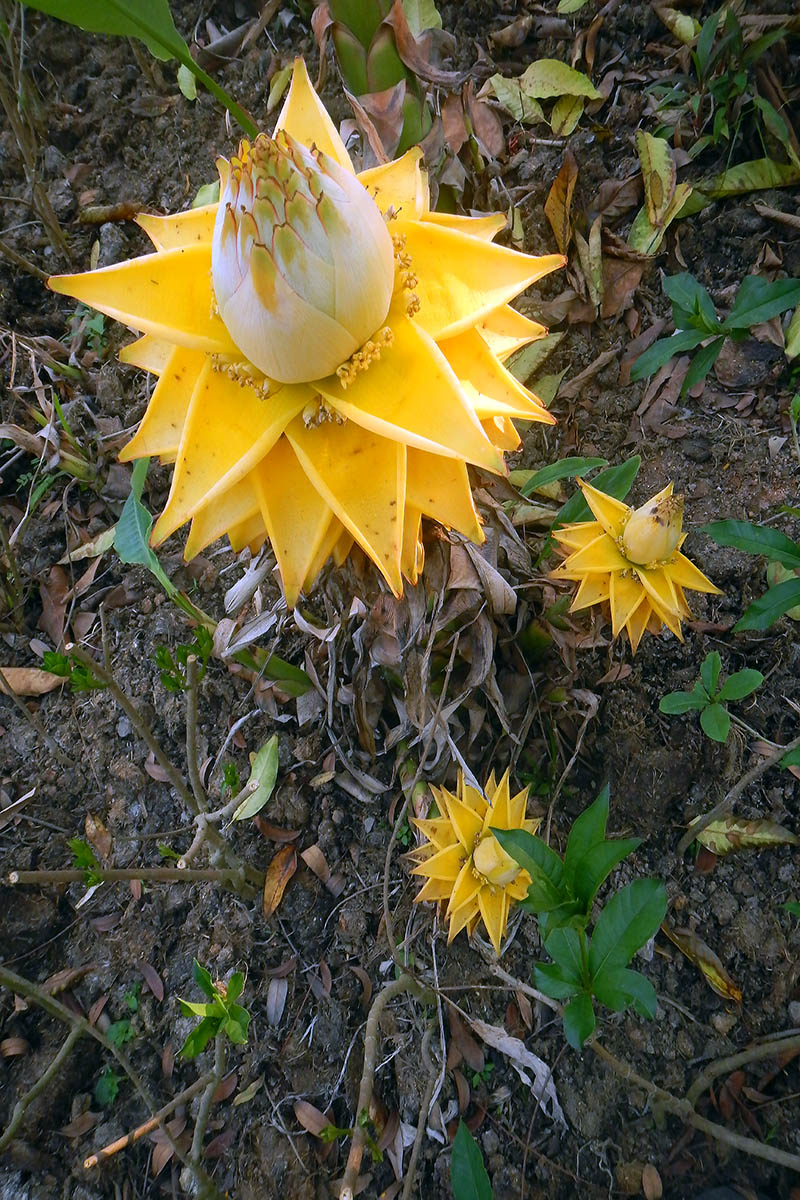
(566, 468)
(709, 671)
(587, 831)
(614, 481)
(132, 533)
(663, 350)
(579, 1021)
(773, 604)
(630, 919)
(705, 42)
(690, 295)
(263, 775)
(675, 703)
(468, 1177)
(594, 868)
(741, 684)
(759, 300)
(203, 979)
(701, 364)
(755, 539)
(235, 987)
(148, 20)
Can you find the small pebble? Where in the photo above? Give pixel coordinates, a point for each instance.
(123, 727)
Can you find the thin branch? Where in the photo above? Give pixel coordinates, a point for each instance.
(729, 799)
(433, 1075)
(42, 1082)
(117, 874)
(752, 1054)
(201, 1123)
(686, 1113)
(22, 263)
(350, 1178)
(191, 734)
(141, 1130)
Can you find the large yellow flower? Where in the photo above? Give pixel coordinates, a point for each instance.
(329, 352)
(632, 561)
(463, 861)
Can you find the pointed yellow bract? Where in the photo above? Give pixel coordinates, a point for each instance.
(464, 864)
(238, 297)
(631, 562)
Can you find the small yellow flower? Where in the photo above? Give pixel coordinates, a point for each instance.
(632, 561)
(328, 350)
(463, 861)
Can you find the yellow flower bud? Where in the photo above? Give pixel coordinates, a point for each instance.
(652, 532)
(491, 861)
(301, 260)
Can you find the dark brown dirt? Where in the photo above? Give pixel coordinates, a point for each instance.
(122, 132)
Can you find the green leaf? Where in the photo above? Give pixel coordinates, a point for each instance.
(759, 300)
(741, 684)
(614, 481)
(754, 539)
(753, 176)
(547, 78)
(193, 1008)
(235, 987)
(791, 906)
(203, 979)
(120, 1032)
(597, 864)
(199, 1038)
(132, 534)
(704, 43)
(549, 979)
(468, 1177)
(235, 1025)
(148, 20)
(619, 986)
(716, 722)
(587, 830)
(527, 361)
(565, 948)
(663, 350)
(106, 1089)
(709, 672)
(701, 364)
(421, 15)
(688, 294)
(522, 106)
(187, 82)
(263, 774)
(208, 193)
(579, 1021)
(773, 604)
(535, 856)
(626, 923)
(675, 703)
(566, 468)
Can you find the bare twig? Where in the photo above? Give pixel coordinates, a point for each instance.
(752, 1054)
(201, 1123)
(433, 1075)
(141, 1130)
(395, 988)
(730, 798)
(684, 1110)
(42, 1082)
(117, 874)
(192, 764)
(22, 263)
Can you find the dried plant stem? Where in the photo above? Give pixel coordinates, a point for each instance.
(191, 734)
(22, 263)
(201, 1123)
(422, 1121)
(141, 1130)
(31, 991)
(684, 1110)
(42, 1082)
(118, 874)
(754, 1053)
(730, 798)
(350, 1178)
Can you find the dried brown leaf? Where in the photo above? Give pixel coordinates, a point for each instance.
(12, 1046)
(54, 591)
(315, 861)
(277, 992)
(280, 870)
(703, 957)
(734, 833)
(97, 835)
(471, 1051)
(81, 1125)
(311, 1119)
(153, 981)
(558, 206)
(226, 1087)
(29, 681)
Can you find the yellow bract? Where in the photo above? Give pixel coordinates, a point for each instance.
(465, 865)
(631, 561)
(318, 464)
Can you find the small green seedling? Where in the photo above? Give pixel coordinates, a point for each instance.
(120, 1032)
(221, 1016)
(483, 1076)
(696, 322)
(468, 1177)
(83, 858)
(562, 893)
(231, 782)
(709, 697)
(68, 667)
(783, 595)
(106, 1089)
(791, 906)
(173, 667)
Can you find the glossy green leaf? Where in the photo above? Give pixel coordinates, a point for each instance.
(565, 948)
(759, 299)
(773, 604)
(688, 294)
(663, 350)
(263, 775)
(675, 703)
(203, 979)
(614, 481)
(593, 869)
(148, 20)
(741, 684)
(565, 468)
(626, 923)
(701, 364)
(132, 533)
(579, 1021)
(468, 1177)
(550, 979)
(542, 864)
(755, 539)
(619, 987)
(199, 1038)
(587, 831)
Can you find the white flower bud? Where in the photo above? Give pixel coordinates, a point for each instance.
(491, 861)
(653, 532)
(302, 262)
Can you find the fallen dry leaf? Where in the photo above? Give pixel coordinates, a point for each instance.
(12, 1046)
(312, 1120)
(703, 957)
(97, 836)
(280, 870)
(153, 981)
(29, 681)
(734, 833)
(558, 206)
